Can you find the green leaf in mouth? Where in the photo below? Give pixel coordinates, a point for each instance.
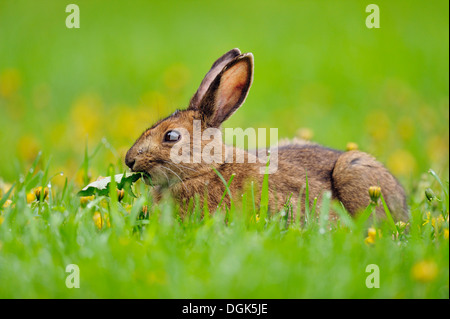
(100, 187)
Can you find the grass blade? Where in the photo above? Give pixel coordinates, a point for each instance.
(388, 215)
(227, 187)
(264, 202)
(6, 196)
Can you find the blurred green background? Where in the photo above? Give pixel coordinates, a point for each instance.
(319, 71)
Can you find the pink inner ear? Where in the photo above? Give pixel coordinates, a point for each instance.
(231, 88)
(208, 79)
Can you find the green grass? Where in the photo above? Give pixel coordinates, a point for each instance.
(158, 255)
(317, 67)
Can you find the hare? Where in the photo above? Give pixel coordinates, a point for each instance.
(347, 175)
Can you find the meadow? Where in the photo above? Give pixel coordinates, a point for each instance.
(73, 101)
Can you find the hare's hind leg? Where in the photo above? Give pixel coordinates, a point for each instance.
(355, 172)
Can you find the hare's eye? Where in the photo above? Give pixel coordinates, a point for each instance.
(172, 136)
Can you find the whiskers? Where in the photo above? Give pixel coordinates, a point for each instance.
(167, 177)
(178, 176)
(166, 170)
(178, 166)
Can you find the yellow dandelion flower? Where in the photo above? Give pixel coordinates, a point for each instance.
(427, 219)
(86, 199)
(7, 203)
(351, 146)
(446, 233)
(4, 188)
(305, 134)
(38, 192)
(401, 224)
(372, 232)
(402, 162)
(437, 222)
(145, 210)
(30, 198)
(120, 194)
(371, 236)
(424, 271)
(369, 241)
(98, 220)
(374, 193)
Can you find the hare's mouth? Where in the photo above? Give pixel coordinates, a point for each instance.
(154, 175)
(147, 170)
(145, 176)
(159, 172)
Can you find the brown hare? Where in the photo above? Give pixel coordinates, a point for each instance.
(347, 175)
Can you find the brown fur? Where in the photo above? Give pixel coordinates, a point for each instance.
(347, 175)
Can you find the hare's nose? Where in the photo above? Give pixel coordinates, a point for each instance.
(130, 161)
(130, 164)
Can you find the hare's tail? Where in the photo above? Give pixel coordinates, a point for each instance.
(352, 176)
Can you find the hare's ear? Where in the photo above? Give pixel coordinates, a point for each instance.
(227, 91)
(211, 75)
